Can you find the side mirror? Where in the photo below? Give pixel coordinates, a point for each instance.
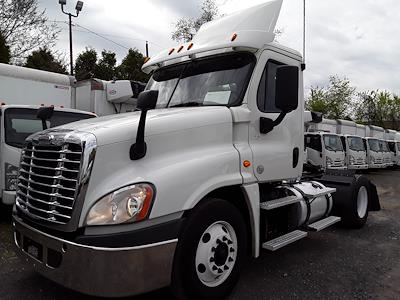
(45, 113)
(147, 100)
(287, 88)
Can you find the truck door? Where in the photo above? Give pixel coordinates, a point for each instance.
(278, 154)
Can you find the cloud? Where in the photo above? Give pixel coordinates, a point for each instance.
(353, 38)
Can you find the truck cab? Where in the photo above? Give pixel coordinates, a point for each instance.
(17, 123)
(178, 193)
(374, 154)
(387, 154)
(356, 152)
(325, 150)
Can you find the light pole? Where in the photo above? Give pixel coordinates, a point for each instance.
(78, 9)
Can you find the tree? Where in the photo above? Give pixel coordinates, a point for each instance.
(185, 28)
(25, 27)
(334, 101)
(43, 59)
(86, 63)
(105, 68)
(4, 50)
(131, 65)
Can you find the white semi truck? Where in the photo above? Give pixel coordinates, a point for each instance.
(324, 146)
(178, 195)
(356, 152)
(23, 92)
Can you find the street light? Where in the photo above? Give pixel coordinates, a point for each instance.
(78, 8)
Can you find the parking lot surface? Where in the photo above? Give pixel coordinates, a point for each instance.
(332, 264)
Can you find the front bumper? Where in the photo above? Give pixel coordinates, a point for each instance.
(357, 167)
(376, 166)
(96, 271)
(336, 168)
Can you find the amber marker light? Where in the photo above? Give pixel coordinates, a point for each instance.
(171, 51)
(246, 164)
(234, 36)
(146, 59)
(180, 48)
(190, 46)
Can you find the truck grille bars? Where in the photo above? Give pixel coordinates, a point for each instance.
(48, 180)
(53, 175)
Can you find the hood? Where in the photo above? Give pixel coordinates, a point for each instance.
(123, 127)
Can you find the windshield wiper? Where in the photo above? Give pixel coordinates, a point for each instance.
(330, 148)
(187, 104)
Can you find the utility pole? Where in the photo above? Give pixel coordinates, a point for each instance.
(78, 8)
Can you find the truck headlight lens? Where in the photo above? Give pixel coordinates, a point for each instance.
(126, 205)
(11, 177)
(352, 160)
(328, 161)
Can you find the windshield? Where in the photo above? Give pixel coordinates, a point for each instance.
(333, 143)
(374, 145)
(356, 143)
(392, 146)
(383, 146)
(220, 80)
(19, 123)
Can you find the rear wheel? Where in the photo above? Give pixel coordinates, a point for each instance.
(355, 211)
(210, 251)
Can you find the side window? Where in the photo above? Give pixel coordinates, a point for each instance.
(266, 89)
(314, 142)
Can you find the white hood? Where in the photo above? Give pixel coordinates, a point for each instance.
(123, 127)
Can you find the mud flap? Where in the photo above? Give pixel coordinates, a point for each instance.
(344, 181)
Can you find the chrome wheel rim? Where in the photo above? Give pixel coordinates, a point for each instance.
(362, 202)
(216, 254)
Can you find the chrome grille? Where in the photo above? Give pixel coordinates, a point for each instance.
(48, 181)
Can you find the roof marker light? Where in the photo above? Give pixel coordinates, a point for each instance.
(180, 48)
(3, 103)
(171, 51)
(146, 59)
(190, 46)
(234, 36)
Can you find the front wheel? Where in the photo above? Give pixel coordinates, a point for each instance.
(210, 251)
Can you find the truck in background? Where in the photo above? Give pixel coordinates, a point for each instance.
(393, 139)
(205, 174)
(324, 147)
(23, 92)
(356, 152)
(375, 156)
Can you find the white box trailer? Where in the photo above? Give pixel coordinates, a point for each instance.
(356, 152)
(107, 97)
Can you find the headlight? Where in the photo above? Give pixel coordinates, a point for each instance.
(352, 160)
(126, 205)
(328, 161)
(372, 159)
(11, 177)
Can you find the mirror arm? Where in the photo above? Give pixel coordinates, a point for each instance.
(267, 125)
(139, 149)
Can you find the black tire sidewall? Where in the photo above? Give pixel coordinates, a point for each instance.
(350, 214)
(185, 282)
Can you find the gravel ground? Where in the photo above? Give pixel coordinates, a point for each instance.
(333, 264)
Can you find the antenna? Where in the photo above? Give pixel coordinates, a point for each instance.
(303, 65)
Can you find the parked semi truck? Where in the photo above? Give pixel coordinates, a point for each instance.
(178, 194)
(356, 152)
(325, 149)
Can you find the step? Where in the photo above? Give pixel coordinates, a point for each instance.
(272, 204)
(284, 240)
(324, 223)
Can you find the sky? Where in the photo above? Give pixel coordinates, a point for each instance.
(357, 39)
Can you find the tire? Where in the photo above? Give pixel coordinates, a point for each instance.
(355, 211)
(213, 242)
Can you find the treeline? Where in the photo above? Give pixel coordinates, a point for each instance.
(340, 100)
(28, 38)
